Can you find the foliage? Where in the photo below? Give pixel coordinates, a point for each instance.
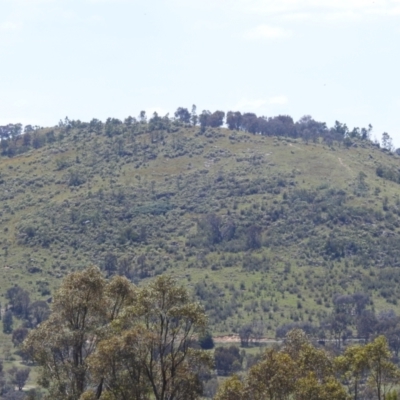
(19, 376)
(8, 322)
(231, 389)
(372, 361)
(227, 360)
(206, 341)
(124, 341)
(299, 370)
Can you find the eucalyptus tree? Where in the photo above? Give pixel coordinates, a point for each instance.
(82, 309)
(108, 339)
(149, 352)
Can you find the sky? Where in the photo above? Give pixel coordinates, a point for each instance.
(331, 59)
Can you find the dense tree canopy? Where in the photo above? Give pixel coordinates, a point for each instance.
(112, 339)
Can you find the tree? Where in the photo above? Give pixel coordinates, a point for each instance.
(392, 334)
(39, 311)
(309, 129)
(111, 338)
(337, 324)
(7, 322)
(171, 322)
(206, 341)
(361, 300)
(366, 133)
(183, 115)
(216, 119)
(387, 142)
(281, 125)
(204, 119)
(294, 341)
(194, 117)
(110, 263)
(62, 344)
(309, 388)
(157, 123)
(249, 122)
(245, 334)
(253, 239)
(210, 226)
(298, 370)
(19, 335)
(341, 130)
(231, 389)
(272, 378)
(234, 120)
(19, 376)
(372, 360)
(27, 139)
(116, 364)
(352, 366)
(154, 346)
(227, 360)
(96, 125)
(28, 129)
(142, 117)
(19, 300)
(366, 324)
(383, 374)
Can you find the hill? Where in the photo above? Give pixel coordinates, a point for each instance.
(261, 228)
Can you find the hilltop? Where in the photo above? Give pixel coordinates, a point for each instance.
(259, 227)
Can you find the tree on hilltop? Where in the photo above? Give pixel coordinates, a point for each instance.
(183, 115)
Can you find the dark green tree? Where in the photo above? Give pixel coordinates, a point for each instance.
(8, 322)
(194, 117)
(183, 115)
(19, 376)
(227, 360)
(206, 341)
(19, 301)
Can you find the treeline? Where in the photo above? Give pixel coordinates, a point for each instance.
(15, 140)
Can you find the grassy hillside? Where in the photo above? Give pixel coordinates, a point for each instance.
(260, 228)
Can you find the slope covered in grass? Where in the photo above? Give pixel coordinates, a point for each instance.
(259, 227)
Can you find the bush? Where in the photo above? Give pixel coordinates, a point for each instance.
(206, 341)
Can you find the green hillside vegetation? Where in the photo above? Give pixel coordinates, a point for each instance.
(264, 228)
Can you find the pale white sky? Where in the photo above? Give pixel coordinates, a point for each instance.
(332, 59)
